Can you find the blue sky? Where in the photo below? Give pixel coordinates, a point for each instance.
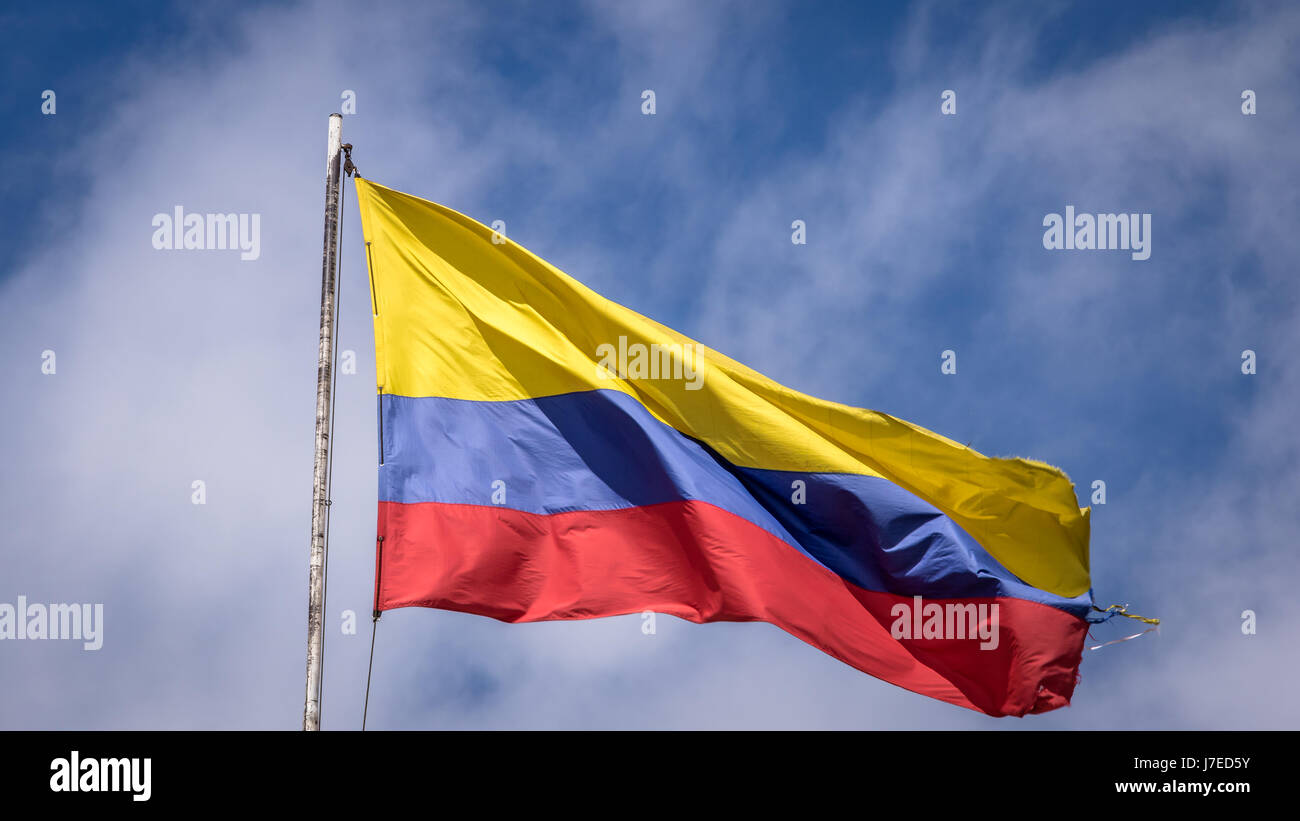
(924, 234)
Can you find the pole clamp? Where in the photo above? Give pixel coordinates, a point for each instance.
(349, 169)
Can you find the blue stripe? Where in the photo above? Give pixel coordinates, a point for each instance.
(602, 450)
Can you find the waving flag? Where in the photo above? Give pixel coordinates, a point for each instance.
(550, 454)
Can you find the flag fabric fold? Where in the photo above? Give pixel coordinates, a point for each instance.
(550, 454)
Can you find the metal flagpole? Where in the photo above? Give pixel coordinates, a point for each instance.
(324, 386)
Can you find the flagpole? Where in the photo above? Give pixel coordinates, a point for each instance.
(324, 385)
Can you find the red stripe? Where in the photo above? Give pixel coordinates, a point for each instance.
(698, 562)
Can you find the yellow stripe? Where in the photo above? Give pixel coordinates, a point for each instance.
(460, 316)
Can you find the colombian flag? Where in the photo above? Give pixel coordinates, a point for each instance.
(549, 454)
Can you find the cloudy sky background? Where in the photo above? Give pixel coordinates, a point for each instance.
(924, 234)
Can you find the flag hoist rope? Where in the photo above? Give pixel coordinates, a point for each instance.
(350, 170)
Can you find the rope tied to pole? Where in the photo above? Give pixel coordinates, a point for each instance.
(374, 628)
